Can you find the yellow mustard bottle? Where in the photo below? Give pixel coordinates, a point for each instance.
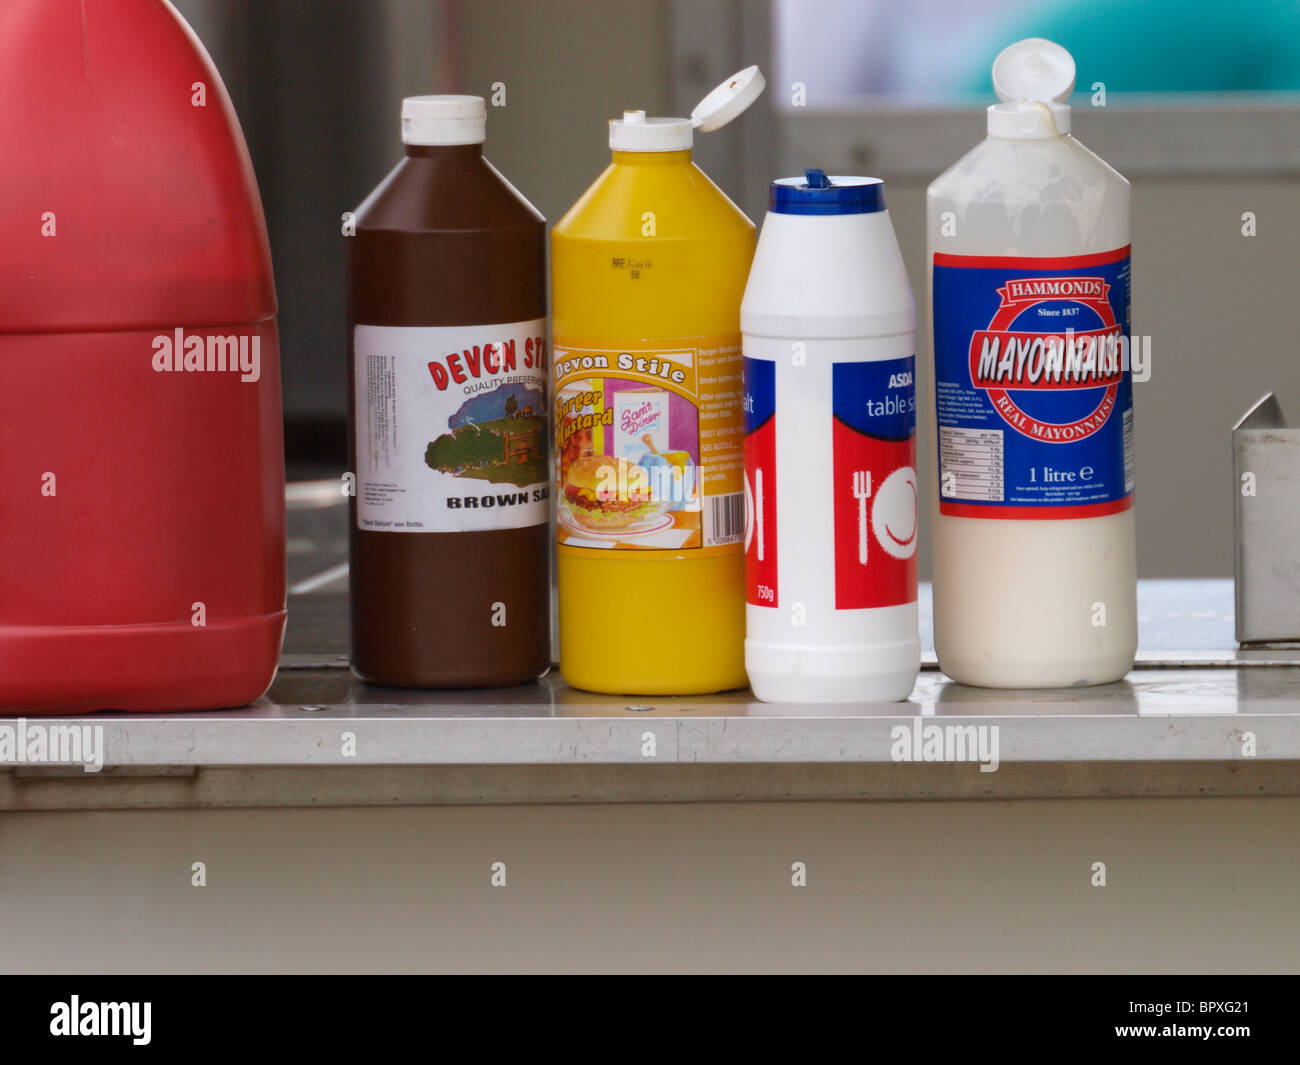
(648, 271)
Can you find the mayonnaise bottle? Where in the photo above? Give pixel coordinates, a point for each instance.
(830, 449)
(1033, 532)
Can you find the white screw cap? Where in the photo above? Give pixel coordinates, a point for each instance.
(447, 120)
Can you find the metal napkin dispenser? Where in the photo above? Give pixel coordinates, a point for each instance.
(1266, 525)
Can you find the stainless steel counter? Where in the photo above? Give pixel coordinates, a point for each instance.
(1197, 716)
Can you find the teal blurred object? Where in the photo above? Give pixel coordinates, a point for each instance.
(1154, 46)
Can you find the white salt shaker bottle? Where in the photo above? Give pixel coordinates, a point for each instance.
(830, 449)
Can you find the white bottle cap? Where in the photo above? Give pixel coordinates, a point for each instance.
(448, 120)
(1033, 78)
(634, 132)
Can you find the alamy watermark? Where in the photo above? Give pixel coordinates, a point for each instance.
(36, 743)
(237, 353)
(946, 743)
(77, 1018)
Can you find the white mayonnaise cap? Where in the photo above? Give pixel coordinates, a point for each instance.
(1033, 78)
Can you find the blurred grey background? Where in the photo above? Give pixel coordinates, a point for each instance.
(1207, 127)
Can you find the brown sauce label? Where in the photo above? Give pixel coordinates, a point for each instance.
(452, 428)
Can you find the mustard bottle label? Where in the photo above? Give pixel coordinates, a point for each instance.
(649, 444)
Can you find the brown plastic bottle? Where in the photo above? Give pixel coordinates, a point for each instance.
(448, 372)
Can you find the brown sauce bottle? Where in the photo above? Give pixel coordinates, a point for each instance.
(448, 372)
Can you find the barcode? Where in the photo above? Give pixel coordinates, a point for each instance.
(724, 519)
(1128, 451)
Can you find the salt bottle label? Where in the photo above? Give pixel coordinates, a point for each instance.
(761, 569)
(875, 494)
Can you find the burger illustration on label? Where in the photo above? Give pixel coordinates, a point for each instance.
(608, 493)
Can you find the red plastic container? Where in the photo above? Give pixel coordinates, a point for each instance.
(141, 508)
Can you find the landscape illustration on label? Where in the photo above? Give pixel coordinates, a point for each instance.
(495, 436)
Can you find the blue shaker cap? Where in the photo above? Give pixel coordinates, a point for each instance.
(818, 193)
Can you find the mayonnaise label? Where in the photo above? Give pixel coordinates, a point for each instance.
(1034, 396)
